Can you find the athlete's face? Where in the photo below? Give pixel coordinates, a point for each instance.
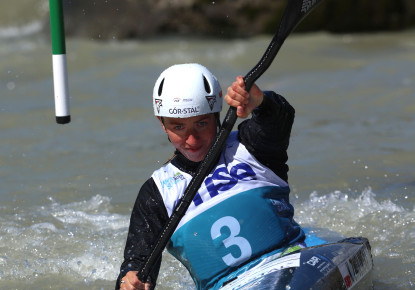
(191, 136)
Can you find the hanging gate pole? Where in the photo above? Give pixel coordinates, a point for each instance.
(60, 74)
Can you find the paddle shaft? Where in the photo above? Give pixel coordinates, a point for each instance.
(296, 11)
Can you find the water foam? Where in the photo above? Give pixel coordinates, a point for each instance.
(79, 241)
(82, 242)
(388, 226)
(27, 29)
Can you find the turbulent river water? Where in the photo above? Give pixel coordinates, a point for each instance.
(67, 190)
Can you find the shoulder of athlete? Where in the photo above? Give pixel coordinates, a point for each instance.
(149, 199)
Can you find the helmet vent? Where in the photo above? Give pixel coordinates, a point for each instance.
(207, 86)
(161, 88)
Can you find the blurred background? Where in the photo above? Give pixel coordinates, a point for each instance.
(224, 19)
(126, 19)
(67, 191)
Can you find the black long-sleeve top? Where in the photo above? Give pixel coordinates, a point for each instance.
(266, 136)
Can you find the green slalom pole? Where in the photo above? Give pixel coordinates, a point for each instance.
(60, 73)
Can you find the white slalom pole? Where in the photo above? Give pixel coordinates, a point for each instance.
(60, 73)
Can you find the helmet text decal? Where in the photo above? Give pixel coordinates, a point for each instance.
(184, 111)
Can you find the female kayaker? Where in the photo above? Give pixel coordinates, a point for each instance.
(241, 213)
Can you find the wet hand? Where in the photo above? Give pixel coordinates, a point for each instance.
(244, 102)
(130, 281)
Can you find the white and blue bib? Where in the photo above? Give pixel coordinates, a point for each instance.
(240, 213)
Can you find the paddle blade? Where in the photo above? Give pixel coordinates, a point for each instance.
(295, 12)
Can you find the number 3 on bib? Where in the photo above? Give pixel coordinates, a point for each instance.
(233, 240)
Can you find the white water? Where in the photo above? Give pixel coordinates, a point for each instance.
(67, 191)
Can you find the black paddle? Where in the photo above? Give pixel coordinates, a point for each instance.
(295, 11)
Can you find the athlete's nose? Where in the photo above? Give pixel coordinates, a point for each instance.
(192, 137)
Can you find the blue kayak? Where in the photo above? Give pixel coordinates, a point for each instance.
(344, 264)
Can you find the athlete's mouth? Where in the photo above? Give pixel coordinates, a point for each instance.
(195, 149)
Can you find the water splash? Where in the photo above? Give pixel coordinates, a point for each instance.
(390, 229)
(21, 31)
(80, 241)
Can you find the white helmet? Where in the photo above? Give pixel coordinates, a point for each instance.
(186, 90)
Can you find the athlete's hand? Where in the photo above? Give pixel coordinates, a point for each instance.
(244, 102)
(130, 281)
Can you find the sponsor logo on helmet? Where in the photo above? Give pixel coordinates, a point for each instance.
(158, 103)
(184, 111)
(211, 101)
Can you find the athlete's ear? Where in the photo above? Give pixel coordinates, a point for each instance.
(162, 123)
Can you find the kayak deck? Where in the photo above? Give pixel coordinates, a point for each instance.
(344, 264)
